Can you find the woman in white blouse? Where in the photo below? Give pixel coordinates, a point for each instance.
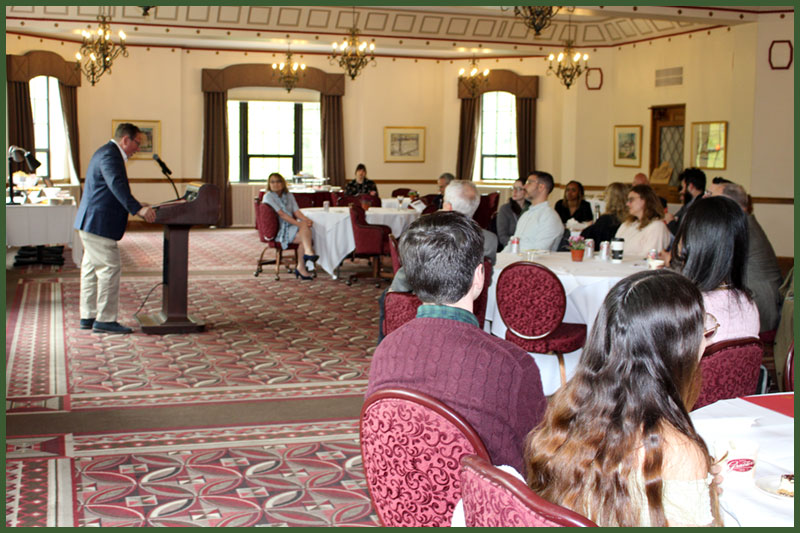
(644, 228)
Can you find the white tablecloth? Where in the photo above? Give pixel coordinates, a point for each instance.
(774, 432)
(33, 225)
(392, 203)
(586, 284)
(333, 233)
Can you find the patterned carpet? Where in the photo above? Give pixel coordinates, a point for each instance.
(264, 340)
(299, 474)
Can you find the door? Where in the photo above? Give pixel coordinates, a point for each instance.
(667, 138)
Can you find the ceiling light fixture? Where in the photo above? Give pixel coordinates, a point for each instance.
(568, 67)
(473, 79)
(289, 72)
(353, 54)
(98, 50)
(536, 18)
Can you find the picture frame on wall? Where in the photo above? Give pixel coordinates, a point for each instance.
(403, 144)
(628, 146)
(151, 129)
(710, 145)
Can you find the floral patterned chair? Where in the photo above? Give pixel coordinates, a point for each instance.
(493, 498)
(729, 369)
(532, 302)
(411, 447)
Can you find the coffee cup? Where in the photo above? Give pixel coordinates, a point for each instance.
(737, 458)
(617, 247)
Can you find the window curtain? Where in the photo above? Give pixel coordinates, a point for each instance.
(20, 119)
(215, 150)
(526, 136)
(332, 139)
(69, 106)
(467, 136)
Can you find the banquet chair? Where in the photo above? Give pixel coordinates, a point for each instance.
(494, 498)
(402, 191)
(729, 369)
(304, 199)
(343, 200)
(267, 226)
(532, 302)
(372, 241)
(399, 308)
(373, 199)
(320, 197)
(411, 445)
(394, 253)
(486, 208)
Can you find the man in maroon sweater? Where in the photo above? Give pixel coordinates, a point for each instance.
(493, 384)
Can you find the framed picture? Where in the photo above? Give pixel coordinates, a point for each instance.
(151, 130)
(627, 146)
(709, 144)
(403, 145)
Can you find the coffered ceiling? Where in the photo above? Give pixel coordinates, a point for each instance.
(445, 32)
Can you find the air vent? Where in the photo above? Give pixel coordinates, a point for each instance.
(669, 76)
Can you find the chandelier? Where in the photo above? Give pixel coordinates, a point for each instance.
(289, 73)
(98, 51)
(473, 80)
(353, 54)
(568, 67)
(536, 18)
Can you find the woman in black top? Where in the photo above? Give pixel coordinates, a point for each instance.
(606, 225)
(573, 205)
(361, 184)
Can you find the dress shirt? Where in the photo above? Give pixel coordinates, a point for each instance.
(539, 228)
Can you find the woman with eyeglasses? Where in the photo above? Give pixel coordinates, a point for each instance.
(573, 205)
(644, 228)
(616, 443)
(509, 213)
(711, 249)
(607, 224)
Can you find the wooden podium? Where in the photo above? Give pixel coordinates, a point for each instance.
(199, 205)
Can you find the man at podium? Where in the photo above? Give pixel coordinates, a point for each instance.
(101, 220)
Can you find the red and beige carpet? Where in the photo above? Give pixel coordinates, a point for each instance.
(270, 346)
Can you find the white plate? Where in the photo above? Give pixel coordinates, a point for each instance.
(769, 484)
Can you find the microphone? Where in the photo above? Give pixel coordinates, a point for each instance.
(164, 168)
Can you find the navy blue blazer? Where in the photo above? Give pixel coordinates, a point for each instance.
(107, 197)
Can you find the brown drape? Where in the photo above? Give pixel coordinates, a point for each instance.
(467, 137)
(20, 119)
(526, 136)
(215, 150)
(69, 105)
(332, 139)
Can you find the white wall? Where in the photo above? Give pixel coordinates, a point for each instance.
(726, 77)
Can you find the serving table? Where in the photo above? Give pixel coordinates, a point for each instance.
(586, 284)
(769, 420)
(333, 233)
(43, 224)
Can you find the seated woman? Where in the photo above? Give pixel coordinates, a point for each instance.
(607, 224)
(643, 230)
(710, 249)
(509, 213)
(293, 225)
(616, 443)
(573, 205)
(361, 184)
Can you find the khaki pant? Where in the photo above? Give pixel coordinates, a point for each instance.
(100, 272)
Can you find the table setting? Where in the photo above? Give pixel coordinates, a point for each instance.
(753, 440)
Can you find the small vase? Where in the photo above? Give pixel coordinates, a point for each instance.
(577, 255)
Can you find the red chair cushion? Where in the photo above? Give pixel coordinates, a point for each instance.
(729, 369)
(411, 450)
(530, 298)
(370, 239)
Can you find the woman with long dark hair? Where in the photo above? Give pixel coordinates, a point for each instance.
(616, 443)
(711, 250)
(509, 213)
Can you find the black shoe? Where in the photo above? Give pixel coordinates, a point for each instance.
(87, 323)
(312, 258)
(110, 327)
(297, 274)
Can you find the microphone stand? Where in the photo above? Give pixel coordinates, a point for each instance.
(178, 196)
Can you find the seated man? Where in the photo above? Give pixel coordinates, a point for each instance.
(443, 181)
(693, 186)
(540, 227)
(493, 384)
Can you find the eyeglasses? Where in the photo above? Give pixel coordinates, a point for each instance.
(710, 326)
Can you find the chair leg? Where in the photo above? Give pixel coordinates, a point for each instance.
(261, 262)
(562, 369)
(278, 260)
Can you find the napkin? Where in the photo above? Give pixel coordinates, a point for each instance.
(418, 205)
